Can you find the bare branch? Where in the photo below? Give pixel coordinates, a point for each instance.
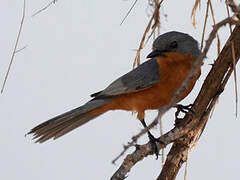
(15, 47)
(128, 12)
(44, 8)
(161, 133)
(205, 24)
(234, 62)
(235, 77)
(214, 22)
(19, 50)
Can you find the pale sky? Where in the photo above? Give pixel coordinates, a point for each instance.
(76, 48)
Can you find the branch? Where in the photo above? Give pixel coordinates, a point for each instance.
(191, 121)
(234, 58)
(44, 8)
(15, 47)
(125, 17)
(236, 9)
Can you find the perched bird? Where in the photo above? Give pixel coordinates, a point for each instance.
(149, 86)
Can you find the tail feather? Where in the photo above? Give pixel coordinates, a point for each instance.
(64, 123)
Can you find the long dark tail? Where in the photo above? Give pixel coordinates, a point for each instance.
(64, 123)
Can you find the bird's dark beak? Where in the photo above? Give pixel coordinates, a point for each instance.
(155, 53)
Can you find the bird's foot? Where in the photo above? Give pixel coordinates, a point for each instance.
(153, 141)
(183, 109)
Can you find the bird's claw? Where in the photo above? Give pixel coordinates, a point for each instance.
(183, 109)
(153, 141)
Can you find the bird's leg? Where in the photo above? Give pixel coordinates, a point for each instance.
(183, 109)
(152, 139)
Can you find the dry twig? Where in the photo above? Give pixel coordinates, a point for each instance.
(205, 24)
(128, 12)
(44, 8)
(193, 16)
(234, 8)
(15, 47)
(214, 22)
(155, 13)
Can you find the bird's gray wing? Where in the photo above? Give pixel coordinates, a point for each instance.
(142, 77)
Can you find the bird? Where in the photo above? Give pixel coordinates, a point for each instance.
(148, 87)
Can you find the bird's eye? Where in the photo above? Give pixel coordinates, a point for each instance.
(173, 45)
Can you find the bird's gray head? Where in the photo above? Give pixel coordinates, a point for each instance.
(175, 42)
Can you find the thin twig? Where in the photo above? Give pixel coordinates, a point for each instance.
(141, 45)
(125, 17)
(186, 167)
(17, 51)
(214, 22)
(235, 77)
(205, 24)
(161, 133)
(234, 63)
(15, 47)
(193, 15)
(156, 24)
(44, 8)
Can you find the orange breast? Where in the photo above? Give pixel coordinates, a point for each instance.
(173, 69)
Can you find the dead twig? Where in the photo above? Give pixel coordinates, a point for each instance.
(193, 15)
(234, 56)
(125, 17)
(44, 8)
(161, 133)
(205, 24)
(214, 22)
(15, 47)
(155, 13)
(19, 50)
(156, 18)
